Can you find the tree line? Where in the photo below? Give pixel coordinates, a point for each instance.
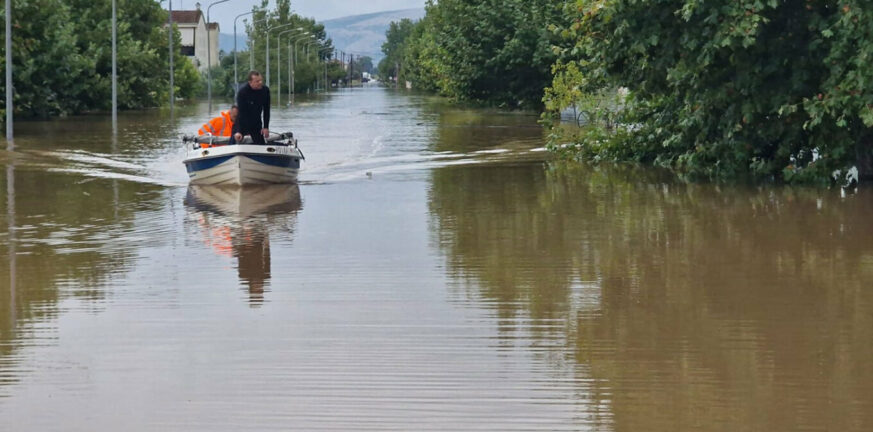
(62, 57)
(311, 63)
(472, 50)
(764, 89)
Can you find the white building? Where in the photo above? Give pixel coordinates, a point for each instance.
(192, 27)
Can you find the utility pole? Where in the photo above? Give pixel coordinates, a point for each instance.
(10, 168)
(114, 73)
(267, 54)
(343, 63)
(9, 145)
(279, 62)
(235, 76)
(290, 71)
(294, 62)
(170, 44)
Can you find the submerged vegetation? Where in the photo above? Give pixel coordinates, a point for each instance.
(772, 89)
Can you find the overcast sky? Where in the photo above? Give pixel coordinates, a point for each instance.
(321, 10)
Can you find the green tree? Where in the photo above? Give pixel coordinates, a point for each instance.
(264, 19)
(394, 46)
(422, 64)
(62, 58)
(49, 70)
(481, 51)
(186, 78)
(731, 88)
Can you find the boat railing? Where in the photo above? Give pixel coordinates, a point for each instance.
(213, 140)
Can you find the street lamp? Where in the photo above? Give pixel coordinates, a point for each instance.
(343, 61)
(279, 66)
(317, 52)
(209, 54)
(9, 74)
(114, 74)
(235, 76)
(170, 44)
(325, 83)
(267, 53)
(269, 29)
(294, 60)
(251, 43)
(311, 43)
(306, 46)
(252, 56)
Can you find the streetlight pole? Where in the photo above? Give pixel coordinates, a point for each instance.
(343, 61)
(235, 76)
(10, 168)
(252, 56)
(114, 73)
(294, 61)
(326, 82)
(170, 44)
(252, 50)
(267, 34)
(317, 53)
(279, 64)
(209, 54)
(290, 71)
(9, 145)
(306, 46)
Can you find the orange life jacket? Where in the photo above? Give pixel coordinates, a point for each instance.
(219, 126)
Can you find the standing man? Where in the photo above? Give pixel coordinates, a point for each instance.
(252, 100)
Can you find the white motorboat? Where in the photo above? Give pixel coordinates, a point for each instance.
(212, 160)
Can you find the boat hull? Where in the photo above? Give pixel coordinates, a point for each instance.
(243, 165)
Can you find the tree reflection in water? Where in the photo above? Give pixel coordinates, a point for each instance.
(236, 221)
(694, 307)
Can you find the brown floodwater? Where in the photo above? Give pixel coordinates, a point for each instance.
(434, 270)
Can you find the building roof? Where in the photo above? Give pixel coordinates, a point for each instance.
(212, 26)
(187, 16)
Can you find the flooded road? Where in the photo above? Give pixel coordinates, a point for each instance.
(432, 271)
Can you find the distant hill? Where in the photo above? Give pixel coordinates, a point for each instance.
(365, 34)
(359, 34)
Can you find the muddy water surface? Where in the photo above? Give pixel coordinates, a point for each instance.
(432, 271)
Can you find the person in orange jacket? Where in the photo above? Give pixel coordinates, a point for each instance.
(221, 125)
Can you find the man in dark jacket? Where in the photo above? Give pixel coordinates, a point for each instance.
(252, 100)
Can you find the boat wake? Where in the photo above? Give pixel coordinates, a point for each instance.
(376, 163)
(163, 170)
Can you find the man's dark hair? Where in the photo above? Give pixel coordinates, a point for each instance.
(253, 74)
(233, 107)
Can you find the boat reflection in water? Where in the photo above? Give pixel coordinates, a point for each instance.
(236, 221)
